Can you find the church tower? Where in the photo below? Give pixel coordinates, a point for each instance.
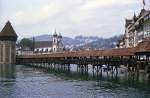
(55, 42)
(59, 37)
(60, 43)
(8, 38)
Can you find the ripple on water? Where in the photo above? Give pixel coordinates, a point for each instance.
(32, 83)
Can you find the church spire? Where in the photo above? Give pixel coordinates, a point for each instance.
(55, 33)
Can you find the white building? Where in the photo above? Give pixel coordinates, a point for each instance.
(56, 45)
(136, 29)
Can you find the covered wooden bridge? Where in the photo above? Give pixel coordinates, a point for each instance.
(137, 57)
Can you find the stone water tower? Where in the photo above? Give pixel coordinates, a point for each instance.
(8, 38)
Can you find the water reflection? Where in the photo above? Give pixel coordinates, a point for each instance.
(127, 79)
(7, 80)
(7, 71)
(117, 85)
(33, 82)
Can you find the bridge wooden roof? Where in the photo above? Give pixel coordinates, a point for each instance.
(92, 53)
(142, 47)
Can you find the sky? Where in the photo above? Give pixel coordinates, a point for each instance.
(102, 18)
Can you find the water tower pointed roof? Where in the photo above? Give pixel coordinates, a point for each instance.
(8, 33)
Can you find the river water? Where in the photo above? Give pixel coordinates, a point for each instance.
(28, 82)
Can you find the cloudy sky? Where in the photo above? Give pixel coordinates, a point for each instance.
(103, 18)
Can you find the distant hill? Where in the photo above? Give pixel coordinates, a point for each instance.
(82, 41)
(106, 43)
(44, 37)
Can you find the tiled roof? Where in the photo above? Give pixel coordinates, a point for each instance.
(8, 30)
(42, 44)
(92, 53)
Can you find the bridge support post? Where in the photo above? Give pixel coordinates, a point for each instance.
(86, 68)
(93, 67)
(116, 68)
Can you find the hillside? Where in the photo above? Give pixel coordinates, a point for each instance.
(83, 41)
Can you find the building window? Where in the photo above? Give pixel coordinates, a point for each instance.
(37, 50)
(46, 50)
(147, 30)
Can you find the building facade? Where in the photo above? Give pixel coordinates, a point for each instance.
(56, 45)
(136, 30)
(8, 39)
